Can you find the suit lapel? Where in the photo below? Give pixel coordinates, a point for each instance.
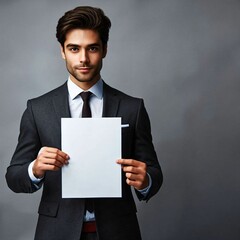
(60, 102)
(110, 101)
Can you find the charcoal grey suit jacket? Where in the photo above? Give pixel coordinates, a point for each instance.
(61, 219)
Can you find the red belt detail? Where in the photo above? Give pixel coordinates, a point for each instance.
(89, 227)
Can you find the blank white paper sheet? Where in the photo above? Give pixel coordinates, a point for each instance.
(93, 145)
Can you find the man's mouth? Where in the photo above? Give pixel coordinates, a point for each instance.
(84, 69)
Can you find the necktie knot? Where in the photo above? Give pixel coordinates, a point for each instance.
(85, 96)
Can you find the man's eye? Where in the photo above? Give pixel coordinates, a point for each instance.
(93, 49)
(74, 49)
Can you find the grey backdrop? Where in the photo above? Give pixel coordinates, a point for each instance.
(183, 58)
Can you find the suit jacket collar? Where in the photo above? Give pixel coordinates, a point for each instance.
(110, 101)
(61, 103)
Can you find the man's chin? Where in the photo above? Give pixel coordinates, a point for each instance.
(85, 80)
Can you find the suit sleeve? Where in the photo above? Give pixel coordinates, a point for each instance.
(145, 152)
(26, 151)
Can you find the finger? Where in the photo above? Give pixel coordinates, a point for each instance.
(129, 162)
(131, 169)
(45, 162)
(56, 157)
(54, 154)
(55, 162)
(139, 182)
(141, 169)
(49, 167)
(135, 177)
(52, 158)
(135, 184)
(47, 150)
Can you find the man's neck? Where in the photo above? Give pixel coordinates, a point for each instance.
(85, 85)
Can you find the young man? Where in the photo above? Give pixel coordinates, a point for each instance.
(38, 159)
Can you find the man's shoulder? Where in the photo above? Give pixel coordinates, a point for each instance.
(120, 94)
(61, 90)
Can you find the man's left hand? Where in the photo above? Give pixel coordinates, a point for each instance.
(136, 173)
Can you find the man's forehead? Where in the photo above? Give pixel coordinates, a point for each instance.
(82, 37)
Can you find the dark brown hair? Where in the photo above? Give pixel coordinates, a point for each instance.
(84, 17)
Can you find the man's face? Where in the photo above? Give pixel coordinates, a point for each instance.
(83, 52)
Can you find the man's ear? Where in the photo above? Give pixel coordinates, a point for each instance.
(104, 50)
(62, 52)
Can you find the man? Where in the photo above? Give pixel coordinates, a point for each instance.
(83, 35)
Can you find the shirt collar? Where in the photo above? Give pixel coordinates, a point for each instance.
(75, 90)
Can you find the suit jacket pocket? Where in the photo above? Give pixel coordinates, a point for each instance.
(48, 208)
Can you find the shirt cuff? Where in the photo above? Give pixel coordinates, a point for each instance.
(31, 175)
(146, 190)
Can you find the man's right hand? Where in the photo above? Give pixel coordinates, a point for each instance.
(49, 159)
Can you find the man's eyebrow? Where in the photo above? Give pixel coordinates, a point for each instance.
(94, 44)
(89, 45)
(72, 45)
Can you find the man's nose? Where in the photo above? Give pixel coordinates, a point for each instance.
(83, 56)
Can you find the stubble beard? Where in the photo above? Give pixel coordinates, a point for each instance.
(93, 75)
